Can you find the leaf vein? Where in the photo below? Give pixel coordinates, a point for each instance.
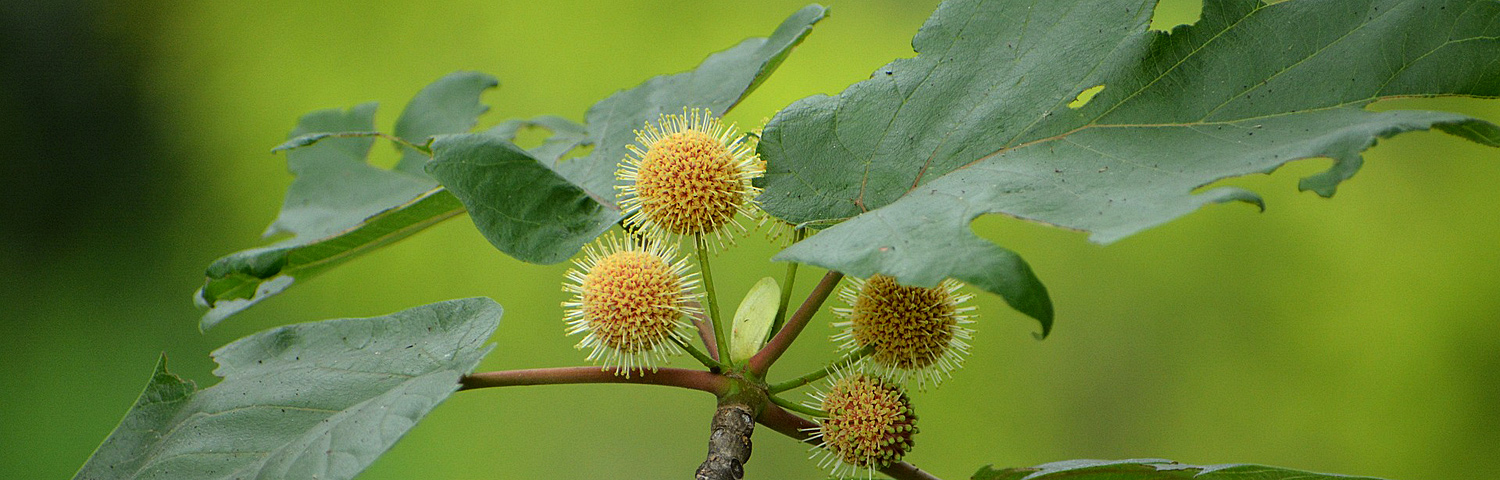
(1310, 56)
(1179, 63)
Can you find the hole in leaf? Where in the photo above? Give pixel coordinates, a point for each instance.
(579, 151)
(384, 154)
(1085, 96)
(531, 136)
(1171, 13)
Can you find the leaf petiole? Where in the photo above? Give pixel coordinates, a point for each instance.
(672, 377)
(834, 366)
(786, 290)
(772, 351)
(703, 358)
(802, 409)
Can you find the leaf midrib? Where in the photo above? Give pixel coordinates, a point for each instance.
(253, 282)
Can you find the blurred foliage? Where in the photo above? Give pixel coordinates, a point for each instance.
(1355, 335)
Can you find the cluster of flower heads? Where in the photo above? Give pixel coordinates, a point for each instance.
(909, 333)
(690, 176)
(870, 425)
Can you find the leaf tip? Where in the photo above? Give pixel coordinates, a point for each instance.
(1046, 320)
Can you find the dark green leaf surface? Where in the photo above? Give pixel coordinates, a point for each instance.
(523, 208)
(1150, 469)
(316, 400)
(565, 136)
(988, 119)
(339, 206)
(449, 105)
(542, 208)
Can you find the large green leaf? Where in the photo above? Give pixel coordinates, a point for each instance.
(565, 136)
(523, 208)
(1150, 469)
(339, 206)
(335, 188)
(540, 207)
(994, 115)
(315, 400)
(449, 105)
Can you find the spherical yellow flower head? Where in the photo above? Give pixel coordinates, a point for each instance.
(629, 300)
(870, 425)
(692, 178)
(911, 331)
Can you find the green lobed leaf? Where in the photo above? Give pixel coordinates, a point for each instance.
(315, 400)
(449, 105)
(1150, 469)
(485, 173)
(980, 122)
(335, 188)
(339, 206)
(523, 208)
(566, 136)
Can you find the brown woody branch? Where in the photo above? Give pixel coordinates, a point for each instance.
(728, 444)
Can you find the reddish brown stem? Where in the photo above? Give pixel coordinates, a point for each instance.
(786, 423)
(799, 428)
(766, 356)
(672, 377)
(705, 331)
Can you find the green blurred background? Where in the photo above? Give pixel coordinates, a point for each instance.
(1357, 335)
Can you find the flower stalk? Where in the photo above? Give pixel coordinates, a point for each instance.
(702, 358)
(786, 289)
(705, 331)
(795, 407)
(721, 338)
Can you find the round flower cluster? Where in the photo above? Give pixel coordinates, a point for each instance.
(911, 332)
(870, 425)
(692, 178)
(629, 299)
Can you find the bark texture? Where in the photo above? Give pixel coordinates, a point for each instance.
(728, 444)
